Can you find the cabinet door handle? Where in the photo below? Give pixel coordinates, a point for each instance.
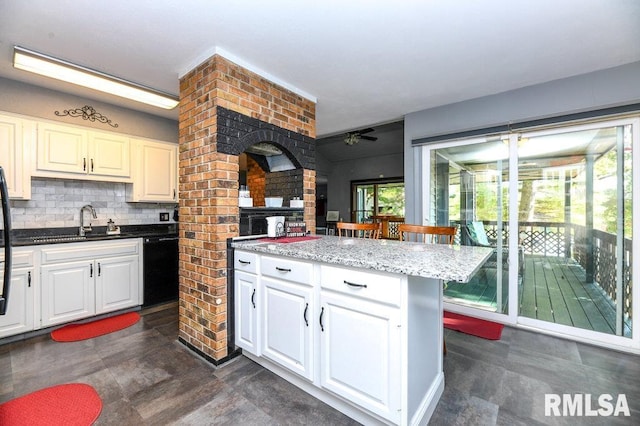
(84, 164)
(92, 164)
(306, 321)
(90, 270)
(355, 285)
(253, 298)
(174, 193)
(29, 279)
(321, 314)
(244, 262)
(99, 269)
(282, 269)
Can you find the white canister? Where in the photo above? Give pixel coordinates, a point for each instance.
(275, 226)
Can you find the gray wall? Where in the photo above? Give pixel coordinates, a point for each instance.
(597, 90)
(343, 172)
(26, 99)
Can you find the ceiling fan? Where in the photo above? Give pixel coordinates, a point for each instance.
(354, 137)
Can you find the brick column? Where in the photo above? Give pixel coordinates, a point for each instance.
(208, 189)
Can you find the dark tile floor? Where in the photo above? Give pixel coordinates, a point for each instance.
(145, 377)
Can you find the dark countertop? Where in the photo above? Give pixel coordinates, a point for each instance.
(37, 236)
(271, 209)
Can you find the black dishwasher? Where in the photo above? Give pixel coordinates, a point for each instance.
(160, 256)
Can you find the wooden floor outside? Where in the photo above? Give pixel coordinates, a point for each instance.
(551, 289)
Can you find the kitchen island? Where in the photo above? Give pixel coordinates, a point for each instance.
(355, 322)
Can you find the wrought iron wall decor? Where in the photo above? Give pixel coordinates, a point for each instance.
(87, 113)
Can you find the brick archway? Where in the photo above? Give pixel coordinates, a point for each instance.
(225, 108)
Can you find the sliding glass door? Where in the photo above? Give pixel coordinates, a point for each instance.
(556, 207)
(575, 227)
(470, 189)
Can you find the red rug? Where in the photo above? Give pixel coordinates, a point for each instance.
(89, 330)
(65, 405)
(474, 326)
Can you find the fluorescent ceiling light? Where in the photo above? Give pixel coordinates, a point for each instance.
(61, 70)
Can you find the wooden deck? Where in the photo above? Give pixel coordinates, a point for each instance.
(552, 289)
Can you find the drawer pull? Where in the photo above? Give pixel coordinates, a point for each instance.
(282, 269)
(321, 314)
(244, 262)
(355, 285)
(253, 298)
(306, 321)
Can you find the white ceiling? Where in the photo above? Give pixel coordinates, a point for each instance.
(366, 62)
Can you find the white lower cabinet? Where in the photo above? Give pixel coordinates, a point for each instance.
(56, 283)
(246, 311)
(19, 317)
(360, 353)
(68, 292)
(341, 334)
(79, 280)
(286, 325)
(117, 285)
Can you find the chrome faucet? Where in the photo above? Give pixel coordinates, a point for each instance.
(83, 229)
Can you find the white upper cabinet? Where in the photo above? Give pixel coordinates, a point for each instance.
(61, 148)
(14, 147)
(34, 147)
(109, 154)
(82, 153)
(155, 172)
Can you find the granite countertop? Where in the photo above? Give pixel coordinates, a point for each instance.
(448, 263)
(37, 236)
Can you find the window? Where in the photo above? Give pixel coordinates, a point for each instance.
(380, 197)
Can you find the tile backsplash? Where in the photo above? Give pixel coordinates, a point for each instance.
(56, 203)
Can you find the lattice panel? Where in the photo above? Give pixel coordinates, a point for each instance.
(605, 271)
(393, 230)
(492, 233)
(541, 241)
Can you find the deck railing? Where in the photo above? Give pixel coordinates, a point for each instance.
(570, 241)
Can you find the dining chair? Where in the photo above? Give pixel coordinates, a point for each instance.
(333, 217)
(430, 235)
(358, 230)
(474, 234)
(427, 234)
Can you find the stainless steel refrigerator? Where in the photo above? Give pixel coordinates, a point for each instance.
(5, 240)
